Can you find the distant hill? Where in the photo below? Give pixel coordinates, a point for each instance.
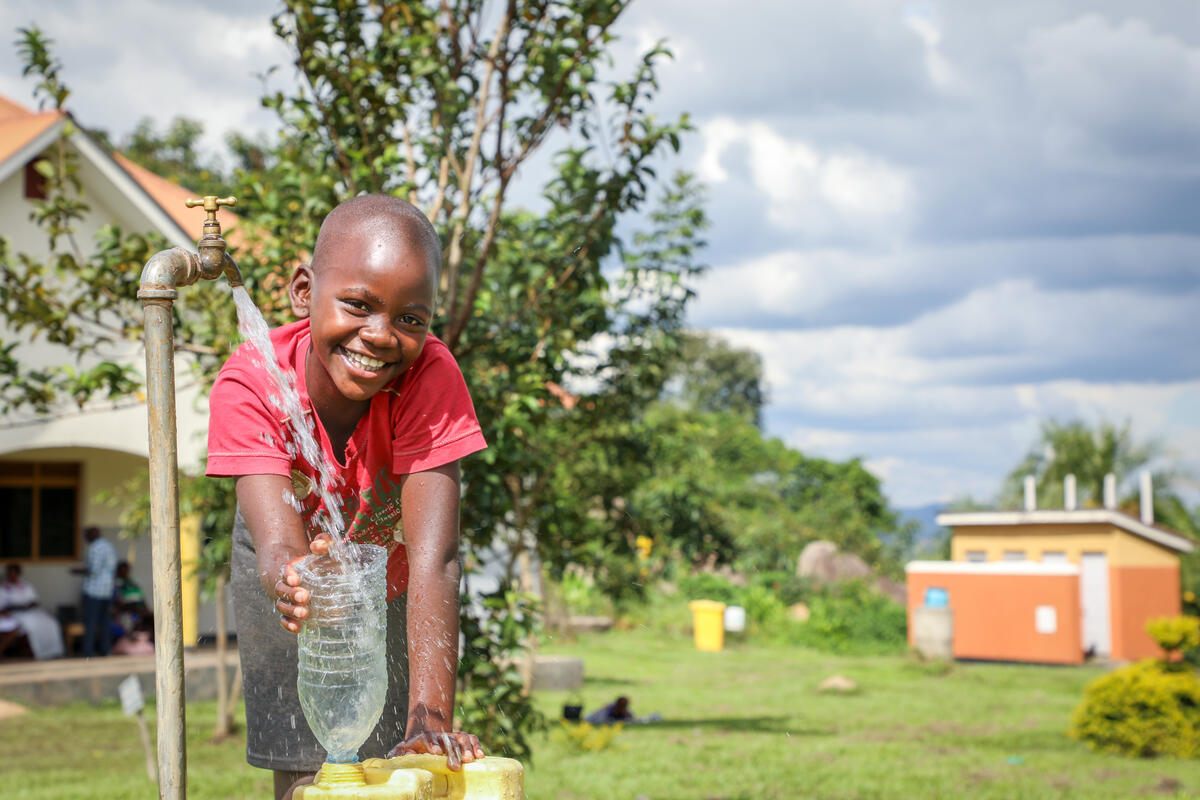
(929, 533)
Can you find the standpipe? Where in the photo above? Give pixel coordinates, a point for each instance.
(163, 274)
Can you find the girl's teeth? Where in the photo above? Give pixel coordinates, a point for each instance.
(365, 362)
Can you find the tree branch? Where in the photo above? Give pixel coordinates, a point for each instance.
(465, 176)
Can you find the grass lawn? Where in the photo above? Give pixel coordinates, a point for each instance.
(744, 723)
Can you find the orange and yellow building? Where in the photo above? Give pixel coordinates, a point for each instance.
(1053, 585)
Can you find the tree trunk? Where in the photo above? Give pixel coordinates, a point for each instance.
(224, 725)
(529, 587)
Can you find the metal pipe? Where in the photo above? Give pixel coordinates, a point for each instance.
(163, 274)
(164, 542)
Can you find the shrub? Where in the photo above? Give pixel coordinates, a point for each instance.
(852, 618)
(708, 586)
(763, 607)
(581, 595)
(1145, 709)
(847, 618)
(789, 587)
(1149, 708)
(1175, 634)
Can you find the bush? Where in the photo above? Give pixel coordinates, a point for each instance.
(852, 618)
(789, 587)
(764, 609)
(848, 618)
(1149, 708)
(708, 586)
(1145, 709)
(581, 595)
(1175, 634)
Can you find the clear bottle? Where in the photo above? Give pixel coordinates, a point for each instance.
(342, 675)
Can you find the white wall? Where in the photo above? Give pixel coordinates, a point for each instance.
(103, 470)
(101, 424)
(109, 439)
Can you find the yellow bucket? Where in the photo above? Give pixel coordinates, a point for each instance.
(417, 777)
(708, 621)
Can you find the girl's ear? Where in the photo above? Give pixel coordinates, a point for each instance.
(300, 290)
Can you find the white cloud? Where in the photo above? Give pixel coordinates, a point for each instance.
(127, 59)
(1115, 94)
(808, 191)
(921, 19)
(939, 223)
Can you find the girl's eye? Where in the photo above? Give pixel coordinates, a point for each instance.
(410, 320)
(357, 305)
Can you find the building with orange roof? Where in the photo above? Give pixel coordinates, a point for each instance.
(54, 464)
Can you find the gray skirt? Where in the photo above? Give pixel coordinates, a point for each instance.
(277, 735)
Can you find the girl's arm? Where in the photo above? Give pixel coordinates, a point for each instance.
(429, 508)
(279, 541)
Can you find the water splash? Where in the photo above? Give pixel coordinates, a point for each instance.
(342, 673)
(299, 420)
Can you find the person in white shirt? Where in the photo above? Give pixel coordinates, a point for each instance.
(19, 601)
(100, 569)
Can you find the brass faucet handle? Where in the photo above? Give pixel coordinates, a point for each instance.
(211, 203)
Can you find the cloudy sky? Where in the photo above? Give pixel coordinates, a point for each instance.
(939, 223)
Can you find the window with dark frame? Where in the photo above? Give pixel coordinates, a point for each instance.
(35, 182)
(39, 510)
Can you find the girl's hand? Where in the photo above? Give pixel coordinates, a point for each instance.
(459, 747)
(291, 599)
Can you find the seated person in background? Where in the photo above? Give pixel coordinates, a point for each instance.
(137, 642)
(13, 641)
(20, 603)
(129, 601)
(616, 711)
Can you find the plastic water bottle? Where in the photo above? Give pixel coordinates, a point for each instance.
(342, 675)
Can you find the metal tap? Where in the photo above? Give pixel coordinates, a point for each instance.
(163, 274)
(168, 269)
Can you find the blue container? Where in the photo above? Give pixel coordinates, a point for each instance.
(936, 597)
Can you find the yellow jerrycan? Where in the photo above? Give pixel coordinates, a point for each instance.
(418, 777)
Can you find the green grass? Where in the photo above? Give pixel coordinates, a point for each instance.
(744, 723)
(83, 751)
(748, 723)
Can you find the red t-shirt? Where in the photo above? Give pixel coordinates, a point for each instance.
(423, 420)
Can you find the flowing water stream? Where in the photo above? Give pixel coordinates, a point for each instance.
(304, 434)
(342, 671)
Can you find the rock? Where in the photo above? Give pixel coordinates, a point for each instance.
(816, 561)
(821, 562)
(847, 567)
(10, 709)
(839, 684)
(799, 612)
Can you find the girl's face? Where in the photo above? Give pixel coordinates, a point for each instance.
(370, 302)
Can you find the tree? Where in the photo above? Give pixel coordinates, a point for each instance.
(444, 105)
(1088, 453)
(1075, 448)
(174, 154)
(712, 375)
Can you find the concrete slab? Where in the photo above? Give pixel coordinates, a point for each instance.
(72, 680)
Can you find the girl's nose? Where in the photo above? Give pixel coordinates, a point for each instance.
(378, 334)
